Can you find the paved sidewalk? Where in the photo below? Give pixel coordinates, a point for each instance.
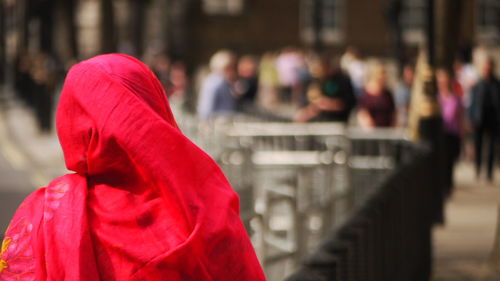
(462, 247)
(27, 148)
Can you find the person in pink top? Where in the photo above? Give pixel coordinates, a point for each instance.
(453, 115)
(290, 67)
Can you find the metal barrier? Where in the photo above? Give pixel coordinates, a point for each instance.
(388, 236)
(373, 155)
(284, 156)
(299, 181)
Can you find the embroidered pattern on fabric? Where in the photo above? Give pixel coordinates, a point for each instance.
(16, 256)
(53, 194)
(5, 245)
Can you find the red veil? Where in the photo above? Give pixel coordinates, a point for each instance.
(144, 202)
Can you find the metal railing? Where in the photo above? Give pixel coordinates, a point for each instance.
(301, 184)
(373, 155)
(388, 236)
(293, 168)
(306, 179)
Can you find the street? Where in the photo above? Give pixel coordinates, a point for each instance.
(463, 246)
(16, 170)
(14, 187)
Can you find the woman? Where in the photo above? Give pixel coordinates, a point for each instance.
(453, 116)
(144, 202)
(376, 105)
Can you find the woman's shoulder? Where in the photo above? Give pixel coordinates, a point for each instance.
(35, 201)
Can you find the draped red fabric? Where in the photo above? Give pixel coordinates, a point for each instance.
(144, 202)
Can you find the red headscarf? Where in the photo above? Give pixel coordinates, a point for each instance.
(144, 202)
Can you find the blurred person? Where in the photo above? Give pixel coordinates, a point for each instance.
(402, 95)
(330, 94)
(160, 65)
(484, 115)
(216, 92)
(177, 92)
(23, 80)
(376, 106)
(347, 58)
(143, 203)
(226, 96)
(453, 123)
(467, 76)
(291, 66)
(179, 80)
(172, 76)
(355, 67)
(247, 84)
(268, 81)
(44, 72)
(480, 56)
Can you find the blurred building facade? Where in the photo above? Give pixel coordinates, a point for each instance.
(260, 25)
(192, 30)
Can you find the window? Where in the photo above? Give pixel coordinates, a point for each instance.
(327, 15)
(223, 7)
(488, 20)
(413, 19)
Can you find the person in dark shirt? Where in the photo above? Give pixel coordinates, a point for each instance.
(376, 105)
(330, 94)
(484, 115)
(247, 84)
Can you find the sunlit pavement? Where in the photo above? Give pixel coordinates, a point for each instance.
(14, 187)
(463, 246)
(28, 159)
(27, 147)
(15, 183)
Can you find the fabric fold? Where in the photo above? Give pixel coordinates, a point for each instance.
(144, 203)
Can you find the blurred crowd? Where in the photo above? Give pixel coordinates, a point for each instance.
(307, 87)
(303, 86)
